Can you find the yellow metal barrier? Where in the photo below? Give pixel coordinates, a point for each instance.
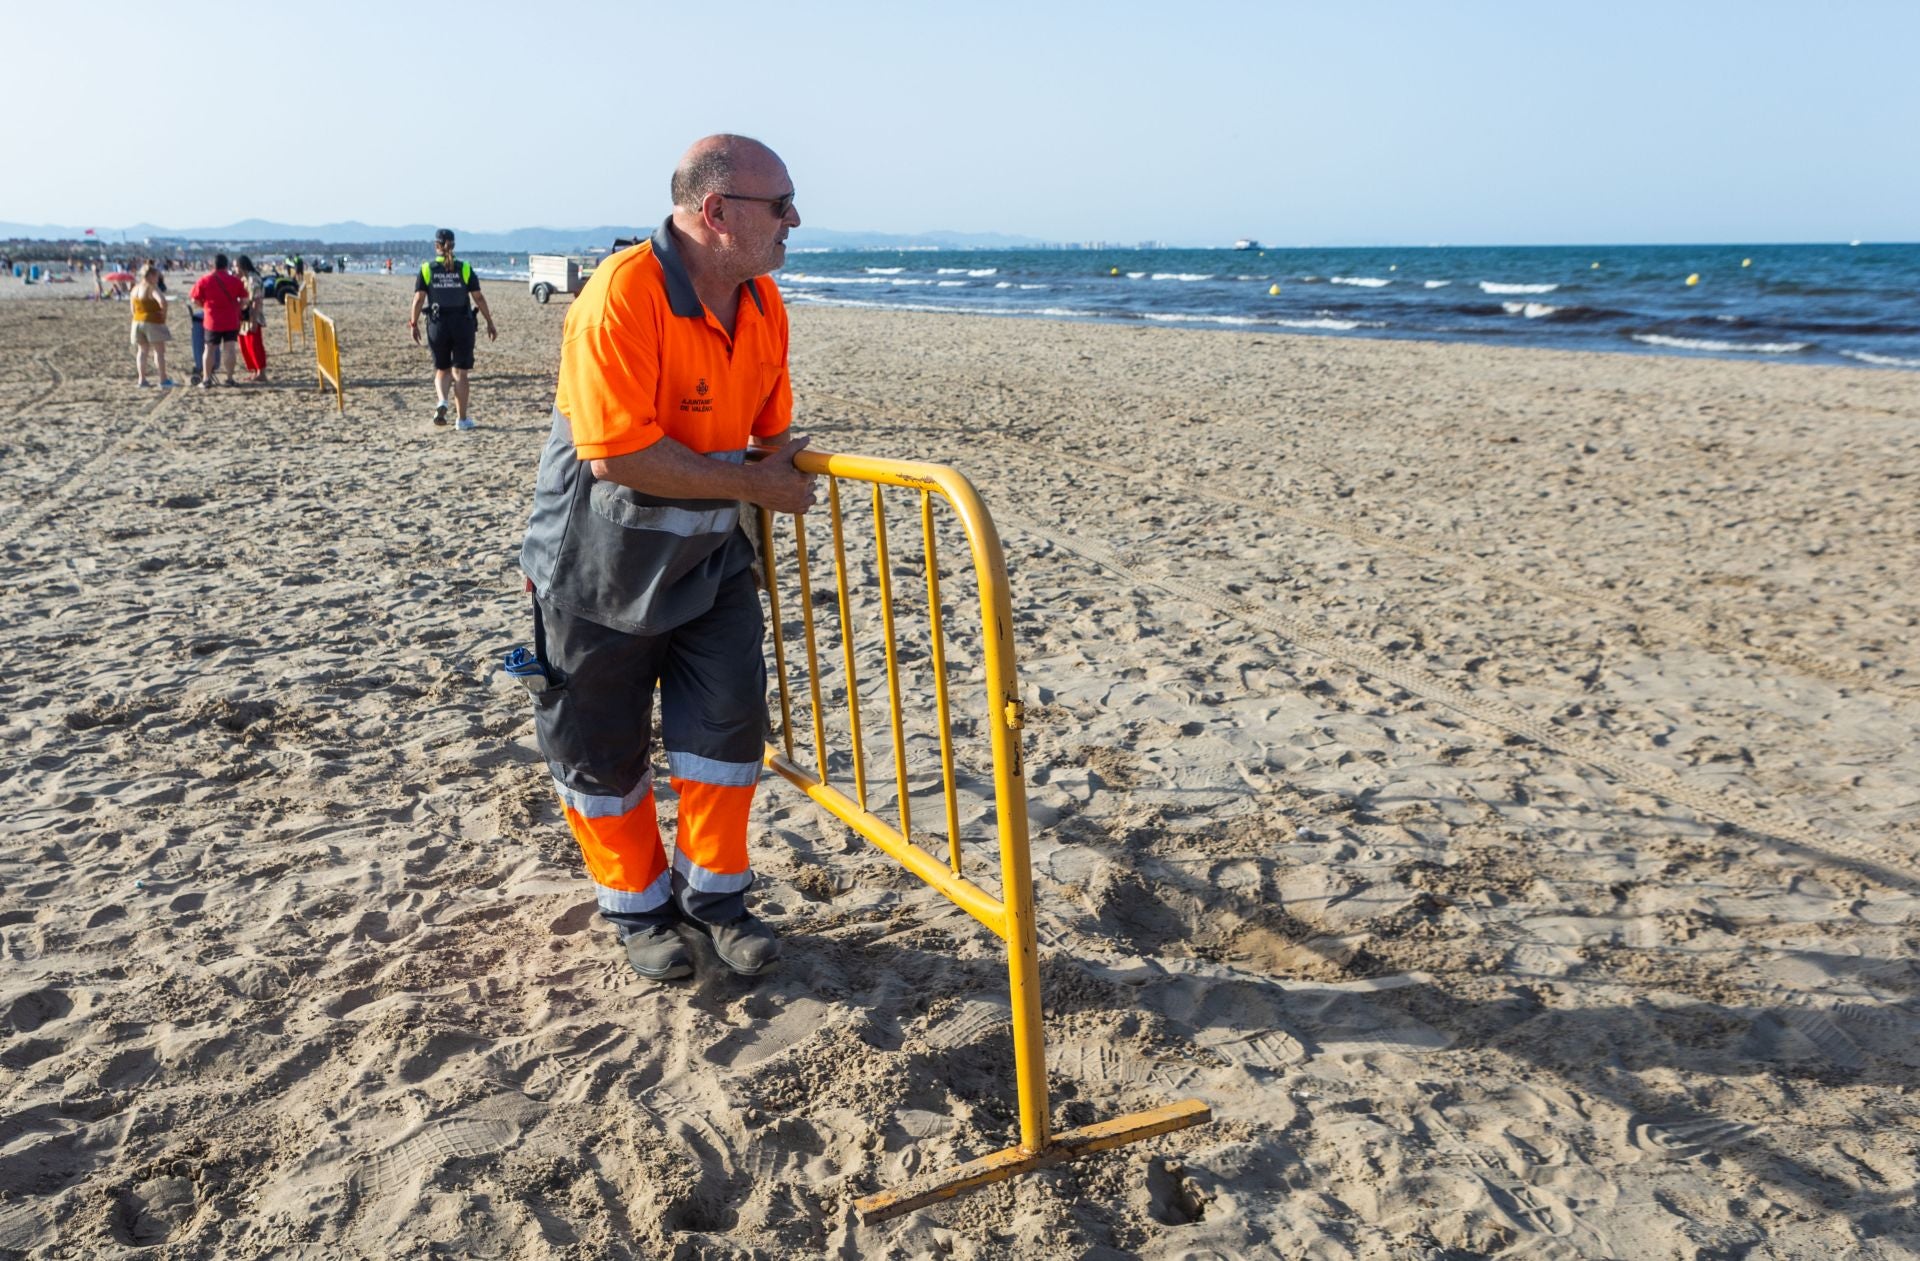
(296, 319)
(1009, 916)
(326, 358)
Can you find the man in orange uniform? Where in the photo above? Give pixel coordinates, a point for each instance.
(673, 364)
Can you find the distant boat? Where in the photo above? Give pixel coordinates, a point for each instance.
(1246, 243)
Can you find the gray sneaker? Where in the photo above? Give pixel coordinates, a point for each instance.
(658, 954)
(746, 945)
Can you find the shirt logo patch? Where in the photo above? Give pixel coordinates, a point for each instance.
(700, 402)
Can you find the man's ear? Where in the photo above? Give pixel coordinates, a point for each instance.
(713, 211)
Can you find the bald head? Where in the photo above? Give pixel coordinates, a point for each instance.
(715, 165)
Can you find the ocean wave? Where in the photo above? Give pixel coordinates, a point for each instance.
(950, 284)
(1177, 275)
(1003, 284)
(805, 278)
(1035, 286)
(1136, 275)
(1438, 284)
(1532, 310)
(1489, 286)
(884, 271)
(1884, 361)
(1175, 317)
(1071, 313)
(950, 271)
(1365, 282)
(983, 271)
(1341, 326)
(1703, 343)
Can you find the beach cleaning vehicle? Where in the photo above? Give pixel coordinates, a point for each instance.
(548, 274)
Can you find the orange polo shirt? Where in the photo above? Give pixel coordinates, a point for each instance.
(643, 360)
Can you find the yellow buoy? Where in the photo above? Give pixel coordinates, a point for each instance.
(1393, 267)
(1746, 262)
(1694, 279)
(1273, 291)
(1113, 271)
(1596, 267)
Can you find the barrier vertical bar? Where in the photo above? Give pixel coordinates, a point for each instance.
(893, 663)
(938, 636)
(846, 643)
(813, 653)
(779, 636)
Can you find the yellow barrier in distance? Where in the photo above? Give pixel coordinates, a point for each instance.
(326, 358)
(1009, 916)
(296, 319)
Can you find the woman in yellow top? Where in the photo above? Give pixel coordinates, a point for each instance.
(149, 326)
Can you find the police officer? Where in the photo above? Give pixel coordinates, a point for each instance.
(449, 292)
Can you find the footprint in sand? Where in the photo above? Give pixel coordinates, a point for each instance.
(770, 1032)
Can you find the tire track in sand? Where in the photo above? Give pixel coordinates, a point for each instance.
(1710, 633)
(54, 495)
(59, 382)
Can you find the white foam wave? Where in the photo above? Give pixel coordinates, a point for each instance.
(1177, 275)
(1438, 284)
(1167, 317)
(805, 278)
(884, 271)
(1532, 310)
(1701, 343)
(1340, 326)
(1003, 284)
(1884, 361)
(1489, 286)
(983, 271)
(1136, 275)
(1036, 286)
(1365, 282)
(950, 271)
(950, 284)
(1071, 313)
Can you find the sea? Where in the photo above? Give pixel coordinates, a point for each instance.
(1842, 303)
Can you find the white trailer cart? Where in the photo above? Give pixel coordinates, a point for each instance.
(548, 274)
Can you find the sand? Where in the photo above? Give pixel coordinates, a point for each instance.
(1484, 776)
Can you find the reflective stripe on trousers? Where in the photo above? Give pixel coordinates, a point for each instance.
(595, 727)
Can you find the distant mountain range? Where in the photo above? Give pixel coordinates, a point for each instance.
(519, 240)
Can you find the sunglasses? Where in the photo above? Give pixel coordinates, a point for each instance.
(779, 205)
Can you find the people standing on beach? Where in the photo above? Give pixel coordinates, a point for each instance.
(222, 298)
(253, 341)
(450, 292)
(673, 365)
(148, 299)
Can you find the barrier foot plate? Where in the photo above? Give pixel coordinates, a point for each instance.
(944, 1184)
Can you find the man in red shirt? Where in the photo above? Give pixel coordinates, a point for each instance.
(221, 295)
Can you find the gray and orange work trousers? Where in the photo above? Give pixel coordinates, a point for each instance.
(595, 726)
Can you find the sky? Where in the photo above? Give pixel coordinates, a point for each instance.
(1193, 123)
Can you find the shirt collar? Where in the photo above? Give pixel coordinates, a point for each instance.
(680, 295)
(681, 298)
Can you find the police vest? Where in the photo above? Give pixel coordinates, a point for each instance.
(446, 287)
